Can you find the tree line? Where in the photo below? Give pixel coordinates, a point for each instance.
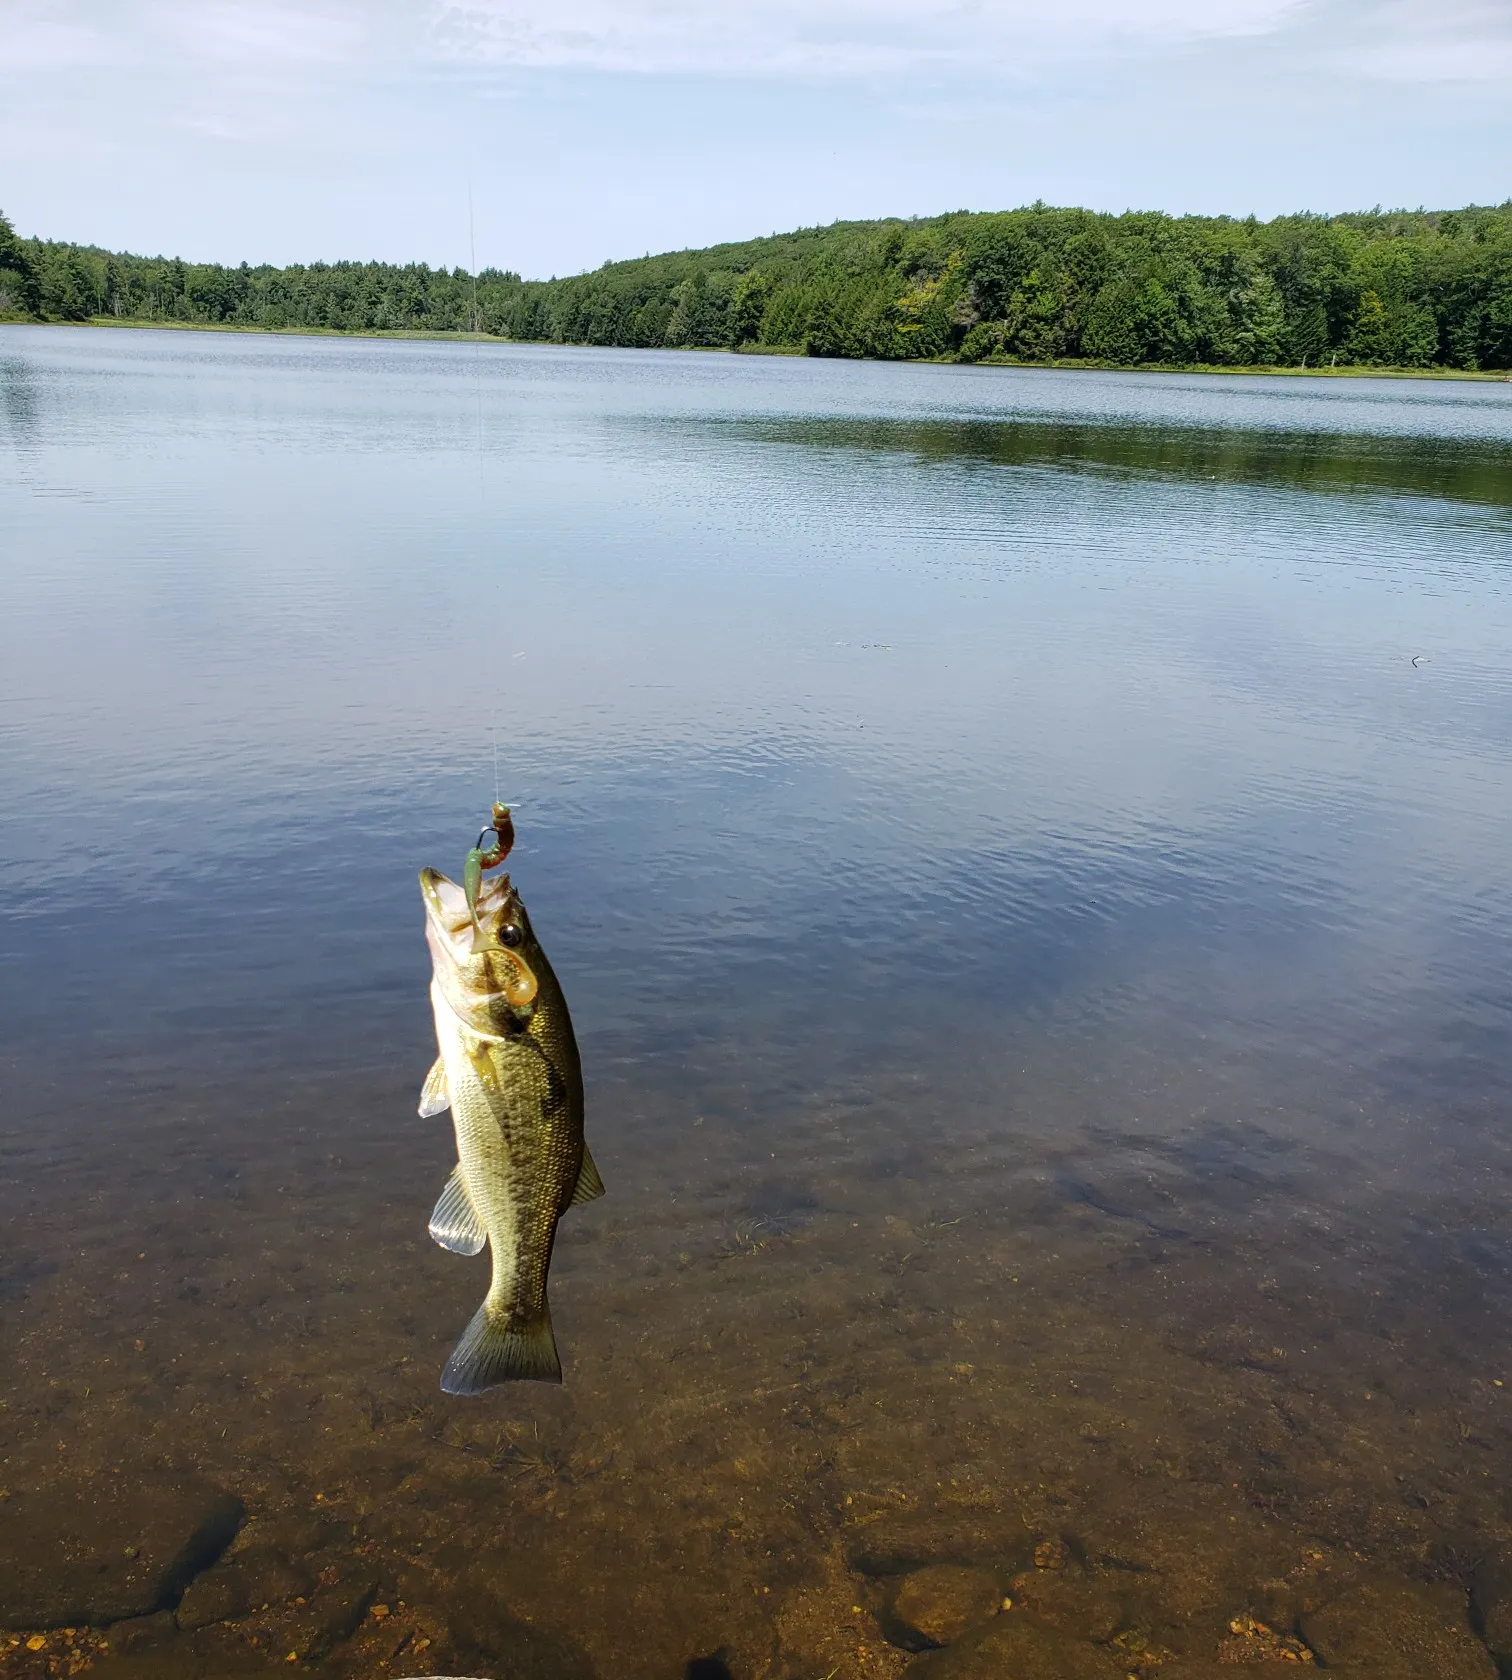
(1411, 289)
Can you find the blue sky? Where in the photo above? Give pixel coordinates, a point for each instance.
(582, 130)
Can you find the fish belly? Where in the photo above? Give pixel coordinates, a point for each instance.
(499, 1184)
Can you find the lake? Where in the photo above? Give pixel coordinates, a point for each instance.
(1027, 853)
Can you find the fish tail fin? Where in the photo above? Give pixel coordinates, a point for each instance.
(492, 1351)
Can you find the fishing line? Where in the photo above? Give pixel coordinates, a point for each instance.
(477, 361)
(472, 253)
(477, 356)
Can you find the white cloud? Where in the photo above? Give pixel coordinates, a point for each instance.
(1447, 41)
(37, 37)
(828, 37)
(245, 34)
(1421, 41)
(763, 37)
(238, 31)
(288, 129)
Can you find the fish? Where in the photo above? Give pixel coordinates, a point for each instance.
(507, 1067)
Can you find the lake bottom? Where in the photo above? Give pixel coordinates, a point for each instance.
(1126, 1350)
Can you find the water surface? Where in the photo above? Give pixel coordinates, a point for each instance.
(1027, 856)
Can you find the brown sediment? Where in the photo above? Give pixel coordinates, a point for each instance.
(787, 1390)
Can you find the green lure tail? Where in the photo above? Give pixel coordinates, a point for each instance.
(472, 885)
(483, 857)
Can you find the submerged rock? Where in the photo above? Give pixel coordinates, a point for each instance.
(246, 1583)
(338, 1614)
(897, 1542)
(1399, 1630)
(937, 1604)
(308, 1631)
(221, 1594)
(270, 1575)
(1492, 1595)
(144, 1633)
(1070, 1599)
(1017, 1647)
(106, 1551)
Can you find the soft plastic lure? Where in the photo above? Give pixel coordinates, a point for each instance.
(483, 857)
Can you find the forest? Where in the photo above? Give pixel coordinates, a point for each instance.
(1406, 289)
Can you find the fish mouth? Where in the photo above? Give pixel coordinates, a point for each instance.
(446, 911)
(471, 950)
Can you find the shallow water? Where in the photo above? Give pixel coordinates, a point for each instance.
(1027, 854)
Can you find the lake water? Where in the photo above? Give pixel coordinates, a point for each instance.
(1027, 853)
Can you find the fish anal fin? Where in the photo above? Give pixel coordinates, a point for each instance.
(455, 1223)
(493, 1351)
(589, 1186)
(435, 1094)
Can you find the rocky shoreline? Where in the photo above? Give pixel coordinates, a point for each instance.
(172, 1578)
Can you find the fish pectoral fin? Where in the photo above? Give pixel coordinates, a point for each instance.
(589, 1185)
(435, 1093)
(455, 1223)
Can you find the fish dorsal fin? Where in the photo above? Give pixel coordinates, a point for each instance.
(455, 1223)
(589, 1185)
(435, 1095)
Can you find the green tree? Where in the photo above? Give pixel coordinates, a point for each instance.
(986, 338)
(825, 333)
(1307, 338)
(69, 291)
(1257, 321)
(698, 317)
(19, 291)
(1391, 334)
(1495, 335)
(1138, 320)
(1035, 284)
(748, 303)
(1037, 319)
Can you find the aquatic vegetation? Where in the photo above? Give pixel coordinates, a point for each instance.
(753, 1235)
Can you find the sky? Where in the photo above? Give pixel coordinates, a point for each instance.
(549, 136)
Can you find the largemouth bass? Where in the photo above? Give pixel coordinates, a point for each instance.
(508, 1069)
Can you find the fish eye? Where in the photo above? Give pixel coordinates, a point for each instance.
(510, 935)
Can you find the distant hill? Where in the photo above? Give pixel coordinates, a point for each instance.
(1411, 289)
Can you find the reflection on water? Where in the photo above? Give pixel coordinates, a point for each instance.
(1037, 940)
(1454, 468)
